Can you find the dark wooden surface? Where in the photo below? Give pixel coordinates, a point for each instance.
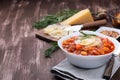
(21, 54)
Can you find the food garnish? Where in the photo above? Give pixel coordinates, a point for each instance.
(88, 40)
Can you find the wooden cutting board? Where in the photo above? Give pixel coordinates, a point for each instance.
(41, 35)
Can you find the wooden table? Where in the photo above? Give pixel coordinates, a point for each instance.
(21, 54)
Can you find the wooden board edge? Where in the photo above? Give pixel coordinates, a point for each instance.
(42, 36)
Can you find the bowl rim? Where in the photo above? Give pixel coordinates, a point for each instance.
(115, 42)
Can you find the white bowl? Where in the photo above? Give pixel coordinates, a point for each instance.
(88, 61)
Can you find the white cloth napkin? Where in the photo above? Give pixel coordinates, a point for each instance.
(67, 71)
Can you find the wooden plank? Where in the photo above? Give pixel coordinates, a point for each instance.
(21, 54)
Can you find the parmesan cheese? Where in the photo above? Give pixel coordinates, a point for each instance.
(81, 17)
(57, 31)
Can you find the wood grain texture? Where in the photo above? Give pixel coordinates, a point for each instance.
(21, 54)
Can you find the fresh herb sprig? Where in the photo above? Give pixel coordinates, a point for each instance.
(85, 36)
(50, 50)
(51, 19)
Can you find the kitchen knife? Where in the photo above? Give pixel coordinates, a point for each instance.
(89, 25)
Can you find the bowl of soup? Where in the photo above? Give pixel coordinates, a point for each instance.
(88, 49)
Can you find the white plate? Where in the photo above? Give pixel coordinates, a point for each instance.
(109, 29)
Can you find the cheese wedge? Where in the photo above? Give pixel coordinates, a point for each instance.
(81, 17)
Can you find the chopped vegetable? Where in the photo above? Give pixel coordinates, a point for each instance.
(78, 46)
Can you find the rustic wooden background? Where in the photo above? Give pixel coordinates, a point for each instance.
(21, 54)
